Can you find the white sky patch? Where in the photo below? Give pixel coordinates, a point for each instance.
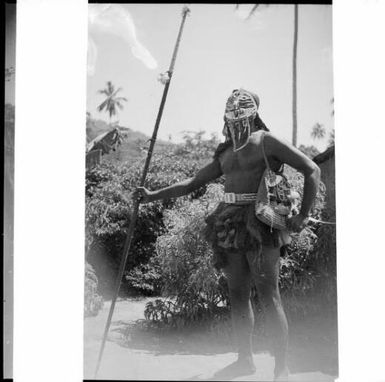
(258, 24)
(115, 20)
(92, 54)
(327, 56)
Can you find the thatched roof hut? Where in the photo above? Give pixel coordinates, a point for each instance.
(326, 162)
(101, 145)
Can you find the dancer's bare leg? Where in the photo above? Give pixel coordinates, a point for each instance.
(266, 276)
(239, 282)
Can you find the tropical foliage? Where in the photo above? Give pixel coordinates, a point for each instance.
(93, 302)
(310, 151)
(169, 255)
(318, 131)
(112, 103)
(108, 208)
(195, 291)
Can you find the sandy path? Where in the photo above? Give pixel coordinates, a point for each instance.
(150, 360)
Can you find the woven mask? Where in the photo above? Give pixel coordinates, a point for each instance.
(241, 109)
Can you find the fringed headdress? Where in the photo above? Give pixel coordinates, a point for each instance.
(241, 110)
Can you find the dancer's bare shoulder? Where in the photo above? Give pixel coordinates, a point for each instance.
(281, 150)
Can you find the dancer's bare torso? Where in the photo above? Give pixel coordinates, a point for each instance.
(243, 169)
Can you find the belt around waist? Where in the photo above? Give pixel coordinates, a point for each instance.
(232, 198)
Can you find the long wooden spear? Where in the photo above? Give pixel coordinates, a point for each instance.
(127, 245)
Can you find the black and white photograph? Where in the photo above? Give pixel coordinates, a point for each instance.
(193, 191)
(210, 193)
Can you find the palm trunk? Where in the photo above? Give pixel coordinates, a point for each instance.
(294, 140)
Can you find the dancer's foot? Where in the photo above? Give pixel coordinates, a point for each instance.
(281, 375)
(243, 366)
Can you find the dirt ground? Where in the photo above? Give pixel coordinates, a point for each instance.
(133, 354)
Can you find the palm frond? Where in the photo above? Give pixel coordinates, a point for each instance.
(252, 11)
(112, 102)
(318, 131)
(103, 105)
(116, 92)
(110, 87)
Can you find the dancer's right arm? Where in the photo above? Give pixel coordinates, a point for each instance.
(206, 174)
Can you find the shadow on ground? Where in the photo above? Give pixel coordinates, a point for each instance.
(139, 335)
(313, 343)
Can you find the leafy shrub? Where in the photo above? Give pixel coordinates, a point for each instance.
(324, 265)
(108, 209)
(145, 278)
(310, 151)
(93, 302)
(299, 270)
(195, 290)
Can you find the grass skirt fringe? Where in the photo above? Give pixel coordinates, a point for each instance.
(235, 228)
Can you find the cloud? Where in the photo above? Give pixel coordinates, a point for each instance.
(92, 54)
(114, 19)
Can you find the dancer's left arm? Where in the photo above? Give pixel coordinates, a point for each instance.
(287, 153)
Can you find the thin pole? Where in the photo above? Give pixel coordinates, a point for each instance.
(134, 216)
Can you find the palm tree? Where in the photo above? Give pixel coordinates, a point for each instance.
(111, 103)
(318, 131)
(295, 43)
(253, 10)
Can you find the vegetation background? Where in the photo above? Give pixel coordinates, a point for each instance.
(170, 258)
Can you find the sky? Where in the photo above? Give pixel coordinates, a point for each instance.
(219, 52)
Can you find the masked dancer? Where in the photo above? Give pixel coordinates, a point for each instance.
(247, 250)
